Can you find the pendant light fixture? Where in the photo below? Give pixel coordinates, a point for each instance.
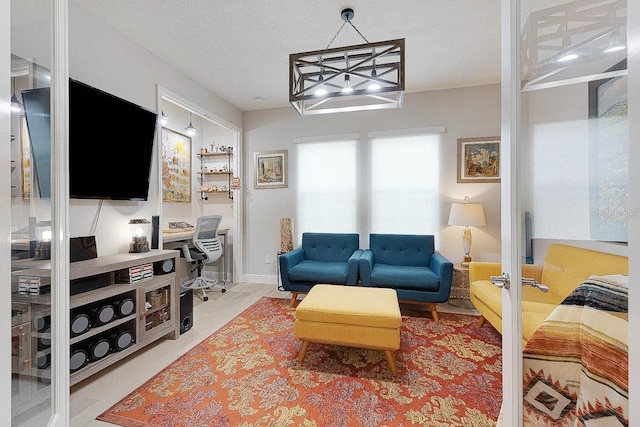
(164, 119)
(367, 76)
(16, 106)
(191, 129)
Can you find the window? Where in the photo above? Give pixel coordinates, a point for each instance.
(387, 184)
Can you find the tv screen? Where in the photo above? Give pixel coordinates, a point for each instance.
(110, 143)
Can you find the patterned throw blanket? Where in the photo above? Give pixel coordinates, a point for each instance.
(575, 364)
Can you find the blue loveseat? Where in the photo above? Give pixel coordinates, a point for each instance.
(330, 258)
(409, 264)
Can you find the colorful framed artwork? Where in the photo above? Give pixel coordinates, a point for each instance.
(270, 169)
(176, 166)
(25, 159)
(479, 159)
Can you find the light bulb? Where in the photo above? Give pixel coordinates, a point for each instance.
(347, 85)
(139, 232)
(321, 91)
(46, 235)
(164, 119)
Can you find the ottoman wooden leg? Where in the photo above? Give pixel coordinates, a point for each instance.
(303, 351)
(391, 360)
(481, 321)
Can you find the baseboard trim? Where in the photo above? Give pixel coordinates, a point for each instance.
(260, 278)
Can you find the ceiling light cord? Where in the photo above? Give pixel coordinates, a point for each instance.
(347, 15)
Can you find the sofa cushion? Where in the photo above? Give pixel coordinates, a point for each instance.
(319, 272)
(330, 247)
(402, 249)
(404, 277)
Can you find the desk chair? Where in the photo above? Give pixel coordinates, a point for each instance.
(207, 249)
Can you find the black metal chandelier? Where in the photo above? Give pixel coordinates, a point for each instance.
(367, 76)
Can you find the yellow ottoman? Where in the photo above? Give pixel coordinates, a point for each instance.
(351, 316)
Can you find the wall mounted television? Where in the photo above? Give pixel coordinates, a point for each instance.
(110, 143)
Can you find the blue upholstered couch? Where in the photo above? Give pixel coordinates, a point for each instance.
(409, 264)
(323, 258)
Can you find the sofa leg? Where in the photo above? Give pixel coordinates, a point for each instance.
(434, 312)
(481, 321)
(294, 297)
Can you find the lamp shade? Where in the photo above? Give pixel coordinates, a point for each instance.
(467, 214)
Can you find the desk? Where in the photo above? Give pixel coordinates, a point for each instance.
(181, 236)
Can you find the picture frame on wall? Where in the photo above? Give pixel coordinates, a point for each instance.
(176, 166)
(25, 159)
(270, 169)
(479, 159)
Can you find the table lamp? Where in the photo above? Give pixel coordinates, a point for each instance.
(140, 230)
(467, 214)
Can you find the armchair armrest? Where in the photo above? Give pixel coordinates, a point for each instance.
(287, 261)
(365, 264)
(352, 267)
(443, 268)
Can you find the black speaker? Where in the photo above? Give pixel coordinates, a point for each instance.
(165, 266)
(186, 310)
(155, 231)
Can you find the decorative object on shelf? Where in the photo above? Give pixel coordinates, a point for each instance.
(286, 235)
(270, 169)
(191, 129)
(43, 242)
(25, 149)
(176, 166)
(213, 146)
(467, 214)
(367, 76)
(235, 183)
(140, 230)
(479, 159)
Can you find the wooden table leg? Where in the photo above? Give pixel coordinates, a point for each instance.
(303, 351)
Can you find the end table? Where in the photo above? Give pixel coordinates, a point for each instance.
(459, 295)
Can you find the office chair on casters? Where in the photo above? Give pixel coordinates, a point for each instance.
(207, 248)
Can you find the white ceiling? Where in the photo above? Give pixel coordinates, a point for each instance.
(239, 49)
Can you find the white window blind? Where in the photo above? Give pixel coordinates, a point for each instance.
(405, 185)
(326, 187)
(398, 191)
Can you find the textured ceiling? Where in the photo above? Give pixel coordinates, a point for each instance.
(240, 49)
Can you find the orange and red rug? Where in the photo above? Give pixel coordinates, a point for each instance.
(247, 374)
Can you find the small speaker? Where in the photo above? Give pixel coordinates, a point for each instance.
(186, 310)
(155, 231)
(165, 266)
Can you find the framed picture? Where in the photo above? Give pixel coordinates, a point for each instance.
(271, 169)
(479, 159)
(176, 166)
(25, 159)
(608, 159)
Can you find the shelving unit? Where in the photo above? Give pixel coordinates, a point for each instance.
(212, 169)
(149, 319)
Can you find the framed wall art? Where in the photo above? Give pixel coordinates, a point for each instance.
(25, 159)
(176, 166)
(270, 169)
(479, 159)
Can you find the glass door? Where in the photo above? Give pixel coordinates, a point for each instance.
(37, 259)
(566, 181)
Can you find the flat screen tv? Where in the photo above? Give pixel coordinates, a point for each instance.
(110, 143)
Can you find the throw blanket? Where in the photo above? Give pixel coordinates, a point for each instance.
(575, 365)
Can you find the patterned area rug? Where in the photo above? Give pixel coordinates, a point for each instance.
(247, 374)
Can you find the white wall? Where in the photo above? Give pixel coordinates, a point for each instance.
(102, 57)
(465, 112)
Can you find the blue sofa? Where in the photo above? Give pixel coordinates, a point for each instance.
(330, 258)
(409, 264)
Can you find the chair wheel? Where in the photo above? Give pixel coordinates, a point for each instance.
(205, 298)
(224, 290)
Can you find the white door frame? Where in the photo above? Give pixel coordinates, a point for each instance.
(510, 213)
